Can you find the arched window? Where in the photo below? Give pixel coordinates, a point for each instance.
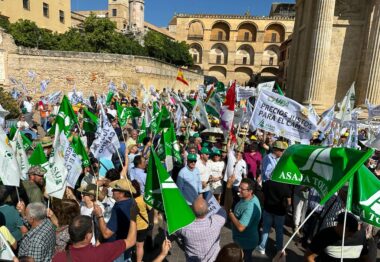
(195, 30)
(220, 31)
(247, 33)
(274, 33)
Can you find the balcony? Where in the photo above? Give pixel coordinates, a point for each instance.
(194, 37)
(243, 62)
(219, 38)
(245, 39)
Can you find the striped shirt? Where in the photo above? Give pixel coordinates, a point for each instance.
(202, 237)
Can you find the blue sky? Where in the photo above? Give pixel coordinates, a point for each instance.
(160, 12)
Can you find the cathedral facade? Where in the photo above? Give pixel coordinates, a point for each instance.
(335, 43)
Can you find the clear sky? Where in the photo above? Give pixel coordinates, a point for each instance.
(160, 12)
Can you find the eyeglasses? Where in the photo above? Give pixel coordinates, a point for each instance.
(243, 189)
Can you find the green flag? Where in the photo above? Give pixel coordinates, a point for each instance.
(163, 194)
(38, 157)
(90, 121)
(66, 117)
(160, 120)
(109, 97)
(220, 87)
(27, 144)
(142, 133)
(123, 113)
(168, 149)
(80, 150)
(325, 169)
(366, 196)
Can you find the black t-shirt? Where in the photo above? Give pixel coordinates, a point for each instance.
(327, 244)
(275, 197)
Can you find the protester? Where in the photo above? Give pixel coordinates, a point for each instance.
(230, 253)
(204, 169)
(245, 217)
(216, 167)
(189, 181)
(34, 185)
(270, 160)
(120, 221)
(39, 242)
(201, 239)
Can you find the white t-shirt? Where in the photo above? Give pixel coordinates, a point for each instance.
(204, 171)
(85, 211)
(239, 168)
(28, 106)
(216, 169)
(22, 124)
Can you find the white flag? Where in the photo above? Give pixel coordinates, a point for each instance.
(54, 98)
(326, 119)
(268, 86)
(57, 172)
(199, 112)
(22, 159)
(10, 172)
(73, 163)
(6, 253)
(106, 142)
(347, 105)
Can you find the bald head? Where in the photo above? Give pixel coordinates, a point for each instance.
(200, 207)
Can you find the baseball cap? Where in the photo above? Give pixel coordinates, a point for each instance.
(192, 157)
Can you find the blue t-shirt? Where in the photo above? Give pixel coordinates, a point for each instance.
(119, 222)
(248, 212)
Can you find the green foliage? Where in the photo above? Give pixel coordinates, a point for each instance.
(99, 35)
(161, 47)
(4, 23)
(9, 104)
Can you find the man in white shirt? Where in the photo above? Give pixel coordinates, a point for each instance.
(204, 169)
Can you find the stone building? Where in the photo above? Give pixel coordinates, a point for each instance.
(53, 15)
(233, 46)
(335, 42)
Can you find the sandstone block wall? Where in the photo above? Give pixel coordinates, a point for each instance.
(89, 72)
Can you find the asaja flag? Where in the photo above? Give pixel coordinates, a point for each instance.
(73, 163)
(181, 77)
(366, 196)
(27, 144)
(38, 157)
(213, 105)
(22, 159)
(142, 132)
(106, 142)
(163, 194)
(346, 106)
(326, 169)
(200, 113)
(162, 120)
(227, 110)
(66, 117)
(57, 172)
(90, 121)
(6, 253)
(326, 119)
(169, 148)
(80, 149)
(124, 113)
(109, 98)
(10, 172)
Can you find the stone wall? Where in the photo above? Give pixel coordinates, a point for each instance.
(89, 72)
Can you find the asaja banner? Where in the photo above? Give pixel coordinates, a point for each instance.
(244, 92)
(283, 116)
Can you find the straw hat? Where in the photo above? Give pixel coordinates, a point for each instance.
(123, 185)
(46, 141)
(280, 145)
(90, 189)
(211, 139)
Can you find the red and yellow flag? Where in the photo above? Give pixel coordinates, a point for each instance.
(181, 77)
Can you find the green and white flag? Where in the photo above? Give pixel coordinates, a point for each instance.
(161, 121)
(56, 175)
(124, 113)
(6, 253)
(66, 117)
(326, 169)
(214, 105)
(168, 149)
(80, 149)
(109, 98)
(73, 162)
(347, 105)
(10, 172)
(90, 121)
(22, 159)
(142, 132)
(38, 157)
(27, 144)
(366, 196)
(199, 112)
(163, 194)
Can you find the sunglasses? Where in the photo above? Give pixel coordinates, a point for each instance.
(191, 161)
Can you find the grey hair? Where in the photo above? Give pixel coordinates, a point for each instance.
(37, 210)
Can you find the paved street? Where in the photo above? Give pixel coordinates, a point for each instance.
(294, 251)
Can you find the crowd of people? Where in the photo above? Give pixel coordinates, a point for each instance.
(105, 217)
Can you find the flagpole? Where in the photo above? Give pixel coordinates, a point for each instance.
(298, 229)
(18, 195)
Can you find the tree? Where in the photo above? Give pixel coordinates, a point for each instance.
(9, 104)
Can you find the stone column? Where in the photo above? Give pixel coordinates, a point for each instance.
(319, 51)
(372, 70)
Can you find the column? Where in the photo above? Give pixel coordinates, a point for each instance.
(372, 82)
(320, 48)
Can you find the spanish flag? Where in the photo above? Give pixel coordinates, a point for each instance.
(181, 77)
